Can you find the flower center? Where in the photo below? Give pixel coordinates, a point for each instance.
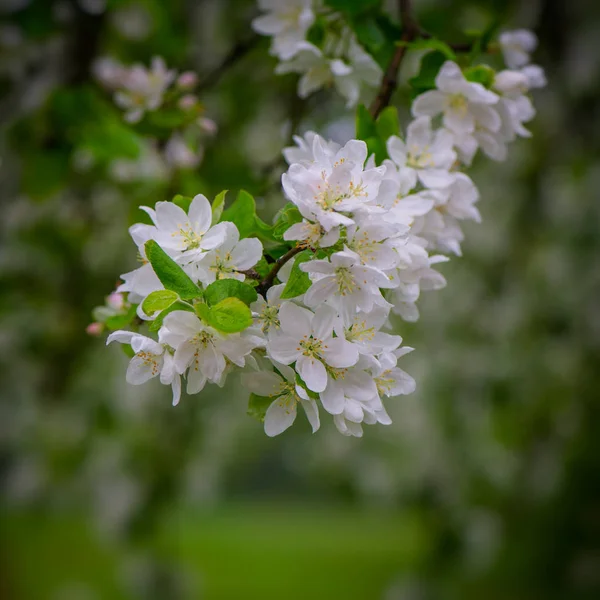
(359, 332)
(270, 318)
(190, 238)
(149, 361)
(459, 104)
(345, 281)
(311, 346)
(384, 382)
(419, 158)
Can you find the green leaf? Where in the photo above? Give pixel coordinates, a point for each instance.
(183, 202)
(365, 125)
(481, 74)
(121, 321)
(285, 218)
(158, 321)
(387, 124)
(258, 405)
(230, 315)
(171, 275)
(242, 213)
(430, 67)
(159, 300)
(262, 267)
(217, 207)
(298, 281)
(229, 288)
(430, 44)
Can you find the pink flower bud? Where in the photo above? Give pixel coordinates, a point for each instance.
(208, 125)
(188, 102)
(115, 300)
(94, 329)
(187, 80)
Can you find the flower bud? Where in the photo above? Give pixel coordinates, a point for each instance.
(188, 102)
(187, 80)
(94, 329)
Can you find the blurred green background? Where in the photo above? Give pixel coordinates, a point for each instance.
(486, 485)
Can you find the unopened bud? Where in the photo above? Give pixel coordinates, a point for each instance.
(115, 300)
(94, 329)
(188, 102)
(187, 80)
(208, 125)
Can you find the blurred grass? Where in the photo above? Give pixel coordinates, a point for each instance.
(235, 552)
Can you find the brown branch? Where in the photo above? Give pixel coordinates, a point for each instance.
(390, 78)
(251, 274)
(267, 282)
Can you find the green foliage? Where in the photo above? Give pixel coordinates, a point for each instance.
(45, 173)
(158, 301)
(284, 219)
(258, 405)
(298, 281)
(430, 44)
(353, 7)
(183, 202)
(171, 275)
(230, 315)
(226, 288)
(430, 67)
(243, 213)
(218, 205)
(376, 133)
(121, 321)
(158, 320)
(481, 74)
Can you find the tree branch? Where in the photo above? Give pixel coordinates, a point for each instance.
(267, 282)
(410, 31)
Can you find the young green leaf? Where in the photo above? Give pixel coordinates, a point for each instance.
(257, 406)
(242, 213)
(182, 201)
(230, 315)
(298, 281)
(171, 275)
(430, 44)
(481, 74)
(387, 124)
(158, 321)
(159, 300)
(121, 321)
(229, 288)
(365, 125)
(430, 67)
(217, 207)
(284, 219)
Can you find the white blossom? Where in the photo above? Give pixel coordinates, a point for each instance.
(286, 394)
(517, 46)
(287, 22)
(151, 359)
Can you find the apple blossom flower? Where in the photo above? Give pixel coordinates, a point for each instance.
(306, 338)
(151, 359)
(286, 394)
(517, 46)
(462, 103)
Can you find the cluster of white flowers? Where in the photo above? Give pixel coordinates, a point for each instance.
(371, 237)
(138, 90)
(338, 59)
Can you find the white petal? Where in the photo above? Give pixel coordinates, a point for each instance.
(323, 322)
(283, 349)
(214, 237)
(200, 214)
(430, 103)
(170, 217)
(279, 416)
(340, 353)
(141, 370)
(332, 398)
(264, 383)
(246, 253)
(295, 321)
(312, 372)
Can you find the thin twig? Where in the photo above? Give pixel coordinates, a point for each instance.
(267, 282)
(235, 54)
(251, 274)
(410, 30)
